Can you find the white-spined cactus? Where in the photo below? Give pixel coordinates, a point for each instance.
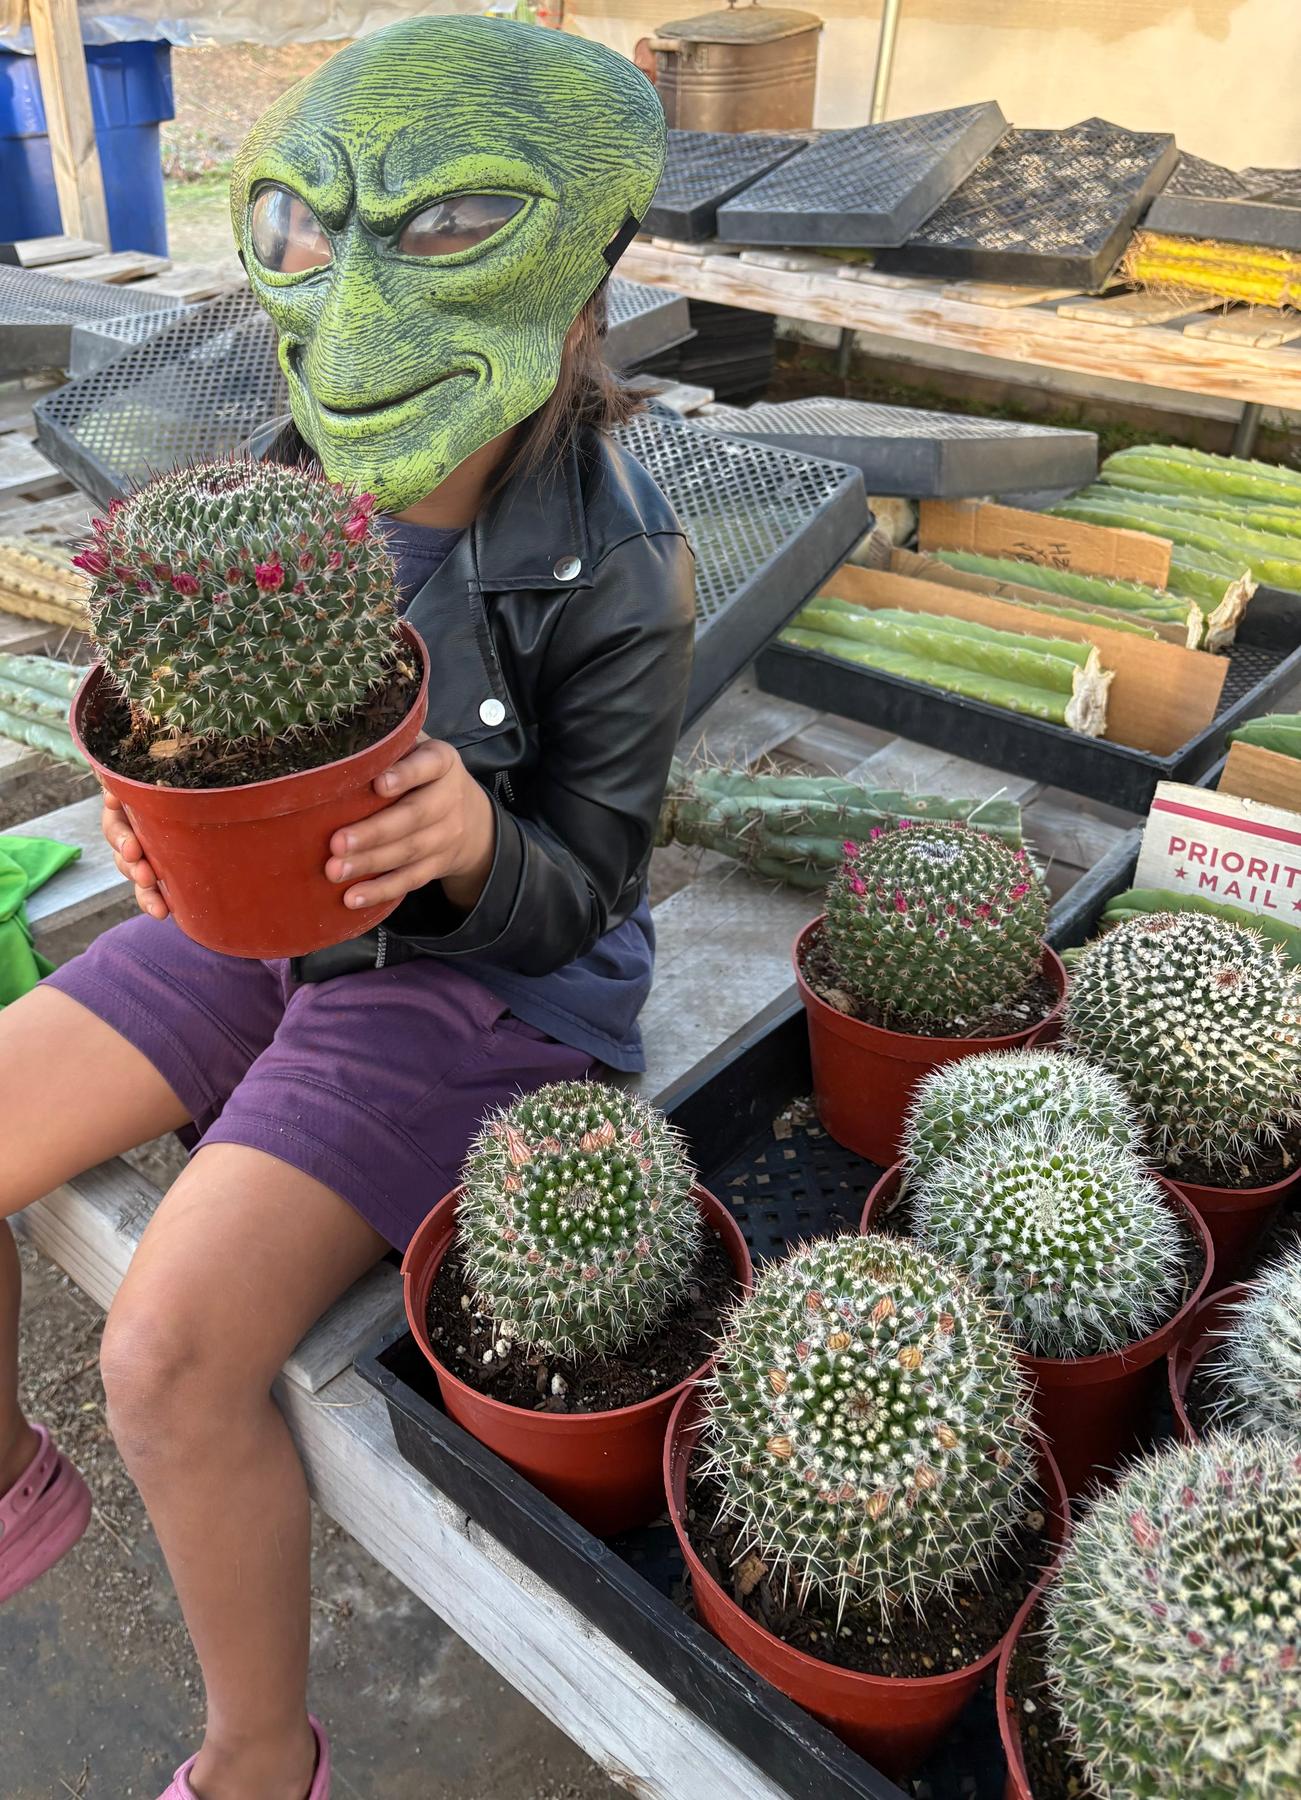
(577, 1222)
(1201, 1022)
(867, 1424)
(995, 1088)
(1065, 1233)
(1255, 1372)
(1174, 1626)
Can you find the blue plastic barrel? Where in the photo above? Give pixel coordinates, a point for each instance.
(130, 93)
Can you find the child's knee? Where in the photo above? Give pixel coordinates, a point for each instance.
(168, 1379)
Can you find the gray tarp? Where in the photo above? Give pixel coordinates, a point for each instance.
(241, 21)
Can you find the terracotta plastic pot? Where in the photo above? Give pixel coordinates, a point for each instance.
(243, 868)
(891, 1720)
(1093, 1409)
(1238, 1218)
(603, 1468)
(864, 1076)
(1206, 1323)
(1017, 1785)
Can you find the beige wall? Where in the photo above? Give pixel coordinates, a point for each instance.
(1223, 75)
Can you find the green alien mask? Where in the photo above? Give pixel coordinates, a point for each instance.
(424, 218)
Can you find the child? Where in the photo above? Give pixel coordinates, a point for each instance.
(429, 220)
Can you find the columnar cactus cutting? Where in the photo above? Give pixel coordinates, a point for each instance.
(577, 1221)
(932, 923)
(867, 1424)
(1257, 1369)
(981, 1093)
(1065, 1233)
(1201, 1022)
(1174, 1626)
(242, 599)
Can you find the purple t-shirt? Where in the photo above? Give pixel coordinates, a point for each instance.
(592, 1003)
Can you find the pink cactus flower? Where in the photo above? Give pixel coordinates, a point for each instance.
(92, 562)
(857, 885)
(356, 527)
(270, 576)
(185, 584)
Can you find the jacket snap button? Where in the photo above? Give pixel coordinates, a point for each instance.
(567, 568)
(492, 712)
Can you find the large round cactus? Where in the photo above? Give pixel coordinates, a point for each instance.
(982, 1093)
(1256, 1371)
(935, 923)
(1174, 1626)
(867, 1423)
(577, 1222)
(239, 599)
(1064, 1232)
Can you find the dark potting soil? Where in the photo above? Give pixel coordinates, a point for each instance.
(1053, 1772)
(462, 1336)
(952, 1634)
(126, 745)
(1269, 1166)
(1032, 1008)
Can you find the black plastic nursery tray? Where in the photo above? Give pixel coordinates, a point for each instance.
(1050, 207)
(642, 322)
(39, 313)
(1254, 206)
(1264, 663)
(870, 186)
(705, 168)
(923, 455)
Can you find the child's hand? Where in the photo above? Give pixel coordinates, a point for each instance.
(130, 858)
(444, 830)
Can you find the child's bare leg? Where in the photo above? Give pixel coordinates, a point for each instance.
(241, 1258)
(72, 1093)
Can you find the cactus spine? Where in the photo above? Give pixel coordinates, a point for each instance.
(867, 1424)
(577, 1221)
(1257, 1369)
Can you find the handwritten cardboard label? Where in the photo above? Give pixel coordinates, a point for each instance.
(1223, 848)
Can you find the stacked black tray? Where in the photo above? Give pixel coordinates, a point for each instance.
(705, 168)
(1251, 206)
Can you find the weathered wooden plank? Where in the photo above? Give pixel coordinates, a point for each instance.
(89, 886)
(1262, 327)
(743, 725)
(198, 281)
(918, 769)
(1127, 312)
(17, 763)
(865, 275)
(115, 268)
(356, 1319)
(64, 519)
(40, 252)
(997, 294)
(23, 470)
(1069, 833)
(832, 745)
(65, 90)
(25, 637)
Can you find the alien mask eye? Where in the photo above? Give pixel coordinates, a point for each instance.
(457, 224)
(286, 235)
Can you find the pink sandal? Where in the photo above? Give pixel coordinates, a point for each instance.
(319, 1790)
(41, 1517)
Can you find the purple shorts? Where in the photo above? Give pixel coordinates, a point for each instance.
(373, 1083)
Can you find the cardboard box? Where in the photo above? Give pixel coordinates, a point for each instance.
(1035, 537)
(1223, 848)
(1264, 775)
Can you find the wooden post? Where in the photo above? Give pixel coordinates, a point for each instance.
(65, 90)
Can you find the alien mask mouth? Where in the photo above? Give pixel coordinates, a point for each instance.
(395, 409)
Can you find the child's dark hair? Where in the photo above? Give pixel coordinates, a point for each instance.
(587, 396)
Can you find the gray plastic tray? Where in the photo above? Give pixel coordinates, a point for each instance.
(38, 314)
(923, 455)
(642, 322)
(704, 169)
(1050, 207)
(1254, 206)
(871, 186)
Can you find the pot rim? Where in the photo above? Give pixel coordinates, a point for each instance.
(1143, 1350)
(1185, 1355)
(1272, 1190)
(97, 673)
(1059, 1515)
(1050, 964)
(443, 1217)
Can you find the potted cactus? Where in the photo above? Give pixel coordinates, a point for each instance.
(931, 948)
(253, 681)
(1239, 1367)
(1171, 1638)
(1200, 1020)
(858, 1491)
(570, 1289)
(1093, 1265)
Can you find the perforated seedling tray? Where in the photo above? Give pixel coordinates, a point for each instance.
(1257, 206)
(38, 314)
(870, 186)
(104, 340)
(642, 322)
(705, 168)
(1051, 207)
(923, 455)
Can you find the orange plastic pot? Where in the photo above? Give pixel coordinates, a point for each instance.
(1093, 1409)
(1206, 1323)
(603, 1468)
(1238, 1218)
(891, 1720)
(1017, 1785)
(243, 868)
(864, 1075)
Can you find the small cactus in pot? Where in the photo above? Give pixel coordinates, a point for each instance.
(1174, 1626)
(1255, 1371)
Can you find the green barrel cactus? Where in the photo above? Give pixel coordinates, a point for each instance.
(1064, 1232)
(935, 923)
(867, 1424)
(577, 1221)
(1174, 1626)
(1256, 1370)
(994, 1088)
(1200, 1020)
(242, 599)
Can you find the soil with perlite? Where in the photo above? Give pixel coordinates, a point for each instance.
(1033, 1007)
(1053, 1772)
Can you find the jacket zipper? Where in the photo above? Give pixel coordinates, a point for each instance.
(502, 787)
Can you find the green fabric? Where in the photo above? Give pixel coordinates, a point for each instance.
(404, 355)
(25, 865)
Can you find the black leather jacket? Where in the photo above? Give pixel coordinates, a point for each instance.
(560, 632)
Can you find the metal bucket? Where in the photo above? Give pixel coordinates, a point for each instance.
(751, 68)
